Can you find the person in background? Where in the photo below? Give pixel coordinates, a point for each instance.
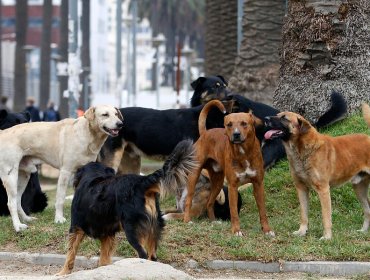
(3, 101)
(51, 114)
(80, 112)
(33, 110)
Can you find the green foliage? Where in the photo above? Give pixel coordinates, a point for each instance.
(204, 240)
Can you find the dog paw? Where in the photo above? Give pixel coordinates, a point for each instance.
(60, 220)
(218, 222)
(29, 219)
(325, 237)
(270, 233)
(238, 233)
(362, 230)
(20, 227)
(166, 217)
(299, 233)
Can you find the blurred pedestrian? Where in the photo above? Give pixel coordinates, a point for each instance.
(51, 114)
(80, 112)
(33, 110)
(3, 101)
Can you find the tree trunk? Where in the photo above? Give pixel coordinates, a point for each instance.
(63, 52)
(256, 69)
(220, 37)
(47, 13)
(21, 15)
(326, 46)
(85, 51)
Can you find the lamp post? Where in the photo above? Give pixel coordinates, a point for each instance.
(157, 42)
(187, 52)
(28, 49)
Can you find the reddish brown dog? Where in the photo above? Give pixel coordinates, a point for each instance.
(321, 161)
(234, 152)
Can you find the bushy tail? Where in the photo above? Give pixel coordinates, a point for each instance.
(366, 113)
(204, 113)
(336, 112)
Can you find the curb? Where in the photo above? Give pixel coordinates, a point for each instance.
(314, 267)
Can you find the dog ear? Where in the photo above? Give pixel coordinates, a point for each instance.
(257, 121)
(223, 80)
(90, 114)
(198, 82)
(119, 114)
(3, 114)
(304, 125)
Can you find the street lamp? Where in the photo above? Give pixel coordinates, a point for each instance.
(157, 42)
(187, 52)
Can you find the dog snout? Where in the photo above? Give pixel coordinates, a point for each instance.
(119, 124)
(236, 135)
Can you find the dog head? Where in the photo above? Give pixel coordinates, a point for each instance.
(239, 127)
(106, 118)
(11, 119)
(208, 88)
(92, 172)
(286, 125)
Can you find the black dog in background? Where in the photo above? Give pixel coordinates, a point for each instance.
(33, 199)
(104, 204)
(215, 87)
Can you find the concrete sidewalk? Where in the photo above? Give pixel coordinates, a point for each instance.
(143, 269)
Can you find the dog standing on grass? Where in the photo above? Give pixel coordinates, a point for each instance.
(321, 161)
(234, 152)
(104, 204)
(65, 145)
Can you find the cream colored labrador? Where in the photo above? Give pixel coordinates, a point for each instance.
(65, 145)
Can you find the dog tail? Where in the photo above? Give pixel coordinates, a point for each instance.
(337, 111)
(366, 113)
(176, 168)
(204, 113)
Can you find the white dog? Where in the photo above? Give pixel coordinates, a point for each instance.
(65, 145)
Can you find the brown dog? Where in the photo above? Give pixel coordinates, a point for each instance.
(233, 152)
(320, 161)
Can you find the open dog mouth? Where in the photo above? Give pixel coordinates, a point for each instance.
(273, 133)
(112, 132)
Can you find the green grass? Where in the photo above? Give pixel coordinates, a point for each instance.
(203, 240)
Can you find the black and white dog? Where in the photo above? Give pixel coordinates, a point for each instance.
(33, 199)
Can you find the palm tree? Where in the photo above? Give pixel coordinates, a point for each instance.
(21, 17)
(63, 53)
(85, 49)
(325, 47)
(47, 13)
(220, 37)
(256, 69)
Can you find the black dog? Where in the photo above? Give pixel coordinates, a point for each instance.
(33, 199)
(215, 87)
(104, 204)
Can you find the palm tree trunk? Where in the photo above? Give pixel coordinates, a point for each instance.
(256, 70)
(325, 47)
(21, 15)
(63, 53)
(220, 37)
(47, 13)
(85, 50)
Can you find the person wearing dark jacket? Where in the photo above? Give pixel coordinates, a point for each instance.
(33, 110)
(51, 115)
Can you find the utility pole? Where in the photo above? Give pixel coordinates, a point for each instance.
(74, 63)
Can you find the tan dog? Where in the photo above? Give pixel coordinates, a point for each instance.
(65, 145)
(233, 152)
(320, 161)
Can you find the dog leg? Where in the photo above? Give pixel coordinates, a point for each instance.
(10, 183)
(63, 180)
(303, 196)
(75, 239)
(106, 250)
(259, 196)
(361, 189)
(217, 182)
(192, 181)
(325, 200)
(233, 203)
(23, 178)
